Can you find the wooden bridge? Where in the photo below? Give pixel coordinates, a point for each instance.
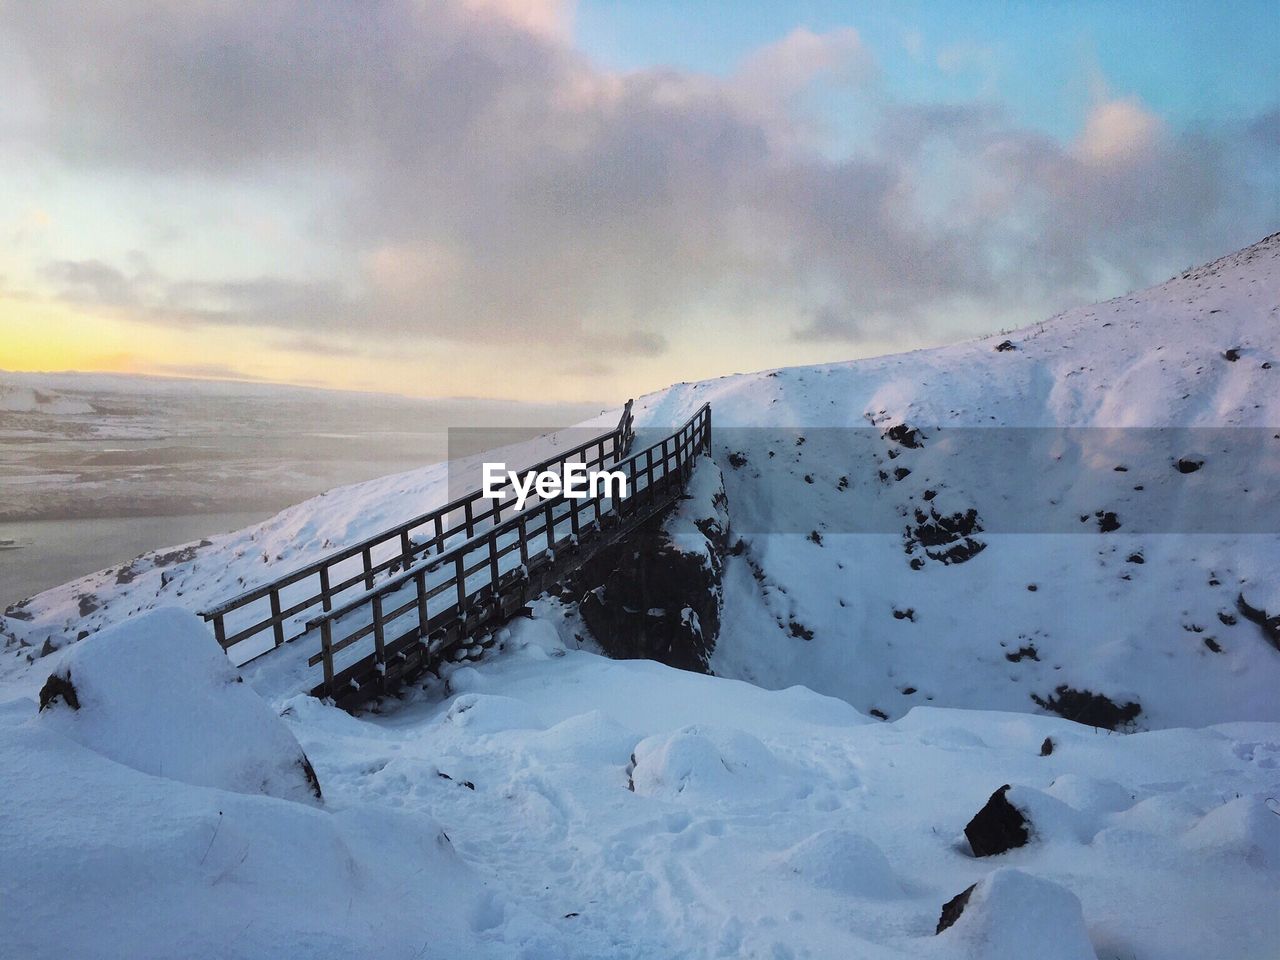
(382, 610)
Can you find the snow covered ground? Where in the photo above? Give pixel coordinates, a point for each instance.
(553, 803)
(560, 804)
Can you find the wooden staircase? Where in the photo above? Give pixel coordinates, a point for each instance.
(383, 610)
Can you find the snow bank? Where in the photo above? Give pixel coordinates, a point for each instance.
(98, 860)
(711, 765)
(157, 694)
(844, 862)
(1011, 915)
(1247, 828)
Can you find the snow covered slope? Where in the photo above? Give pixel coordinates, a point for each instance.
(1146, 613)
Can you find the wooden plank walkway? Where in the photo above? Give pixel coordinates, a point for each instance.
(401, 601)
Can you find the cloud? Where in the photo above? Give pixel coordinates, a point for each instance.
(487, 182)
(143, 293)
(1118, 132)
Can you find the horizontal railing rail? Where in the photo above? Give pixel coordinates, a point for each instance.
(263, 617)
(444, 599)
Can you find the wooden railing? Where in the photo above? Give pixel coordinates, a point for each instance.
(369, 643)
(263, 617)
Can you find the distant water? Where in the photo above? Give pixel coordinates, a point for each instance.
(158, 463)
(56, 551)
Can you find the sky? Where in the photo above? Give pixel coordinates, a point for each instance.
(587, 201)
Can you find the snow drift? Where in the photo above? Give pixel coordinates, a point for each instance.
(156, 693)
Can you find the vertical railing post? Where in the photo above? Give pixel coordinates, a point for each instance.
(460, 574)
(277, 625)
(326, 593)
(379, 635)
(326, 654)
(406, 548)
(439, 527)
(523, 533)
(470, 520)
(493, 562)
(368, 568)
(420, 582)
(220, 631)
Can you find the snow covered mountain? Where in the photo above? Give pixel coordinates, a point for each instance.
(824, 591)
(1017, 526)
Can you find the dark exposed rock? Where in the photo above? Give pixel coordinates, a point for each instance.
(997, 827)
(59, 687)
(1188, 465)
(815, 537)
(933, 529)
(1108, 521)
(1270, 625)
(800, 631)
(1046, 748)
(309, 772)
(1213, 644)
(905, 435)
(1005, 345)
(878, 713)
(19, 611)
(1092, 709)
(737, 460)
(462, 783)
(1026, 652)
(1232, 355)
(658, 594)
(1228, 619)
(952, 909)
(181, 555)
(907, 614)
(87, 603)
(901, 473)
(1137, 558)
(945, 538)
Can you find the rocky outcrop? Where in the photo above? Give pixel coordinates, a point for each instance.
(997, 827)
(945, 538)
(953, 908)
(1087, 707)
(658, 595)
(1269, 624)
